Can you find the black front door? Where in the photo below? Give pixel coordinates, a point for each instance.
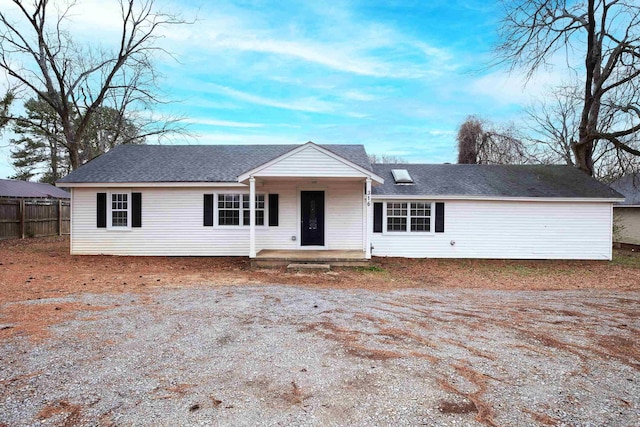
(312, 218)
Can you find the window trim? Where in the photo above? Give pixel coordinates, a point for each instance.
(240, 226)
(110, 225)
(408, 231)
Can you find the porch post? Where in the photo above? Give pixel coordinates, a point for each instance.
(252, 217)
(369, 221)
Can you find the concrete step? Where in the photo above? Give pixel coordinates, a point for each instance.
(279, 262)
(308, 267)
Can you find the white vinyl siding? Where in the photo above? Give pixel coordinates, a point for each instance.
(508, 230)
(627, 225)
(172, 222)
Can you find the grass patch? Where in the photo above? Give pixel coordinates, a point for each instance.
(625, 258)
(371, 269)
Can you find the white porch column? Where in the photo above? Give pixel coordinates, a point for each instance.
(369, 220)
(252, 217)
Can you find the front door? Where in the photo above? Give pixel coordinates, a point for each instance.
(312, 218)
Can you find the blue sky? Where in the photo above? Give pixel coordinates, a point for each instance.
(396, 76)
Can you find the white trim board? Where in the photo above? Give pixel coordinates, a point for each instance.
(149, 184)
(493, 198)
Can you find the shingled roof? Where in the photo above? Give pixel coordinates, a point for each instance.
(191, 163)
(629, 186)
(492, 181)
(224, 163)
(30, 190)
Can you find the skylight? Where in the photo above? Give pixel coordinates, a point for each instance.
(401, 176)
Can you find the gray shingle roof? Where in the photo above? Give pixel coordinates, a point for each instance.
(24, 189)
(224, 163)
(492, 181)
(629, 187)
(191, 163)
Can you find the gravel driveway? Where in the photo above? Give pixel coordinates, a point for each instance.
(285, 355)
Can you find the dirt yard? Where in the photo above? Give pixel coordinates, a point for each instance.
(184, 341)
(43, 268)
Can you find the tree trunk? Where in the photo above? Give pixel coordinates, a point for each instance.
(583, 153)
(583, 150)
(54, 159)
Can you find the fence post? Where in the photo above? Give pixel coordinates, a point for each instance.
(59, 217)
(22, 223)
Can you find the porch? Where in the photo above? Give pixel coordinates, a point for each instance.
(321, 207)
(335, 258)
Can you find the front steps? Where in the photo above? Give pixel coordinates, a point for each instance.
(310, 258)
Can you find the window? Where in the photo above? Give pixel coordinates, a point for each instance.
(259, 209)
(396, 216)
(231, 212)
(228, 209)
(421, 216)
(409, 217)
(119, 210)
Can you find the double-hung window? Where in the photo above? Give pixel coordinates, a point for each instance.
(396, 216)
(233, 209)
(414, 217)
(420, 216)
(120, 210)
(228, 209)
(259, 209)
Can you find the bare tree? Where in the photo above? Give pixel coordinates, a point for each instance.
(553, 128)
(77, 79)
(553, 124)
(481, 142)
(385, 158)
(470, 135)
(605, 34)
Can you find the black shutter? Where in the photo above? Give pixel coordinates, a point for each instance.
(439, 217)
(136, 210)
(101, 217)
(208, 210)
(377, 217)
(273, 210)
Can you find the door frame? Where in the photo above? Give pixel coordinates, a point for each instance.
(299, 218)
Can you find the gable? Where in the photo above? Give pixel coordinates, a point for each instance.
(310, 161)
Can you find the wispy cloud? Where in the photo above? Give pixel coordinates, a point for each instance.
(223, 123)
(357, 95)
(308, 104)
(333, 56)
(514, 88)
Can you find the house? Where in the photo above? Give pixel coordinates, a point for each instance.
(14, 189)
(626, 214)
(255, 200)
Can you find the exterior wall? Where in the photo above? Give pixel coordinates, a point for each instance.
(508, 230)
(628, 221)
(172, 222)
(309, 162)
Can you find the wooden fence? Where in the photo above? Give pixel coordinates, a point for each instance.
(20, 218)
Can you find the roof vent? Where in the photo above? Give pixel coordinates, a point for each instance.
(401, 176)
